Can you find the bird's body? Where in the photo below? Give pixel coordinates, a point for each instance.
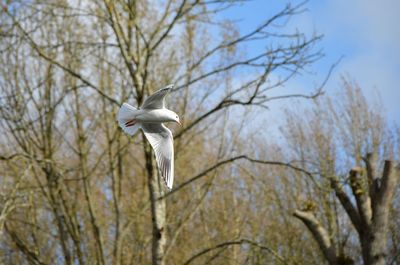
(150, 118)
(156, 115)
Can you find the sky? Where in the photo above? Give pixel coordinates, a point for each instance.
(365, 34)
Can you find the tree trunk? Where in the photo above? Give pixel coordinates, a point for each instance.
(383, 191)
(158, 207)
(369, 216)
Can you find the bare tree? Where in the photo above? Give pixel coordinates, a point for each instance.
(370, 217)
(348, 130)
(68, 65)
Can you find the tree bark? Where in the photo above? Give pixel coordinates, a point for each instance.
(320, 235)
(158, 207)
(377, 240)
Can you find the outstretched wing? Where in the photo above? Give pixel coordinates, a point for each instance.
(156, 100)
(160, 138)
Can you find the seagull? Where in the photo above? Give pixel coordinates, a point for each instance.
(150, 117)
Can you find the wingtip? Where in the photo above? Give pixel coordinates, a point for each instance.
(168, 183)
(169, 187)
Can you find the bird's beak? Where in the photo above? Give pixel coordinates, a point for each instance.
(180, 124)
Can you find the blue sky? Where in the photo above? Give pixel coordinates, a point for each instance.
(365, 33)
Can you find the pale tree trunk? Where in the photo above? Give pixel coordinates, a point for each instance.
(369, 216)
(381, 193)
(158, 207)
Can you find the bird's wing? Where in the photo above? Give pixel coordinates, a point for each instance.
(156, 100)
(160, 138)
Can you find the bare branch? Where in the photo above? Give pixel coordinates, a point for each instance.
(180, 13)
(362, 197)
(230, 160)
(388, 183)
(48, 58)
(237, 242)
(347, 204)
(320, 234)
(370, 164)
(31, 256)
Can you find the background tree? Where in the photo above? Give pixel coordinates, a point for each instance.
(348, 214)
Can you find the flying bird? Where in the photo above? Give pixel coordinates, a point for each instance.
(150, 117)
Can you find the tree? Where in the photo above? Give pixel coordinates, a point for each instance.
(334, 135)
(88, 190)
(370, 218)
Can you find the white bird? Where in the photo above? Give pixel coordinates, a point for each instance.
(150, 117)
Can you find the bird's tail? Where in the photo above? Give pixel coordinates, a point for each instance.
(126, 119)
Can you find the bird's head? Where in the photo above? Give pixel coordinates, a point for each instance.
(174, 117)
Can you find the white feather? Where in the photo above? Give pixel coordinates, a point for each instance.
(160, 138)
(125, 114)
